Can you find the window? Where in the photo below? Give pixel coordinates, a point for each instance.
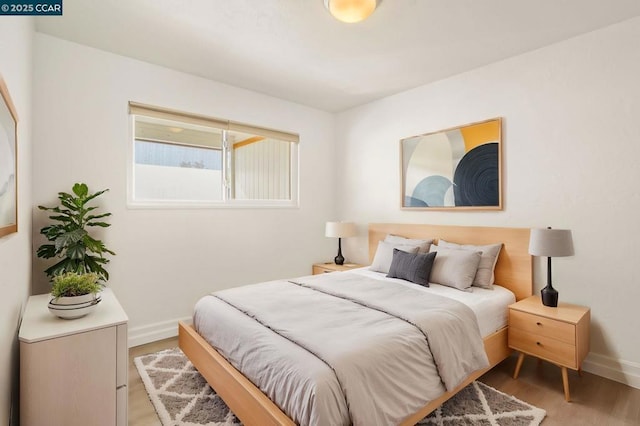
(181, 159)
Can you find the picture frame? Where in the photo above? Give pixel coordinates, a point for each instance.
(8, 163)
(459, 168)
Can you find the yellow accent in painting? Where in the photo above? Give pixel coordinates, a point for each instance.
(480, 133)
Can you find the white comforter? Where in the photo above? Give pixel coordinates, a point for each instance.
(342, 348)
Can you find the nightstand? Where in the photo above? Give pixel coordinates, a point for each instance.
(558, 335)
(323, 268)
(74, 372)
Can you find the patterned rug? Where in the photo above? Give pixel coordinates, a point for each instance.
(182, 397)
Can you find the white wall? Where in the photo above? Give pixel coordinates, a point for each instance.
(168, 258)
(571, 149)
(16, 46)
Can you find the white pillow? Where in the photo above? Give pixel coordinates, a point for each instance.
(454, 268)
(384, 255)
(484, 277)
(423, 245)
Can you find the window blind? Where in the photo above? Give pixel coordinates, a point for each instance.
(136, 108)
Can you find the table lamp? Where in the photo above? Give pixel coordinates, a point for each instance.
(340, 230)
(550, 243)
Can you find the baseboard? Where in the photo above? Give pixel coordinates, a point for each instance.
(154, 332)
(622, 371)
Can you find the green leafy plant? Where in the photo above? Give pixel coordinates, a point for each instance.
(73, 284)
(69, 238)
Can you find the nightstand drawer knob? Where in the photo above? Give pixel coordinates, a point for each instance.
(538, 343)
(538, 323)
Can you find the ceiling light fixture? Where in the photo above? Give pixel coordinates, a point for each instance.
(351, 11)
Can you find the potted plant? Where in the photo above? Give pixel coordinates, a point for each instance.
(69, 238)
(76, 276)
(74, 295)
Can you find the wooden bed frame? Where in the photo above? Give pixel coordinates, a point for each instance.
(252, 407)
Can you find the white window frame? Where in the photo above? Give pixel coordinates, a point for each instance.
(136, 109)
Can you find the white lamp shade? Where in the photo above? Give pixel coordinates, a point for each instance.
(351, 11)
(340, 229)
(551, 242)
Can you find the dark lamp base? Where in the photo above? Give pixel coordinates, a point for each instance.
(549, 296)
(339, 259)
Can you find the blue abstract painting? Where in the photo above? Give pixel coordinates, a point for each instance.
(454, 168)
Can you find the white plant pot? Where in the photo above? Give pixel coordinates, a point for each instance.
(73, 307)
(74, 300)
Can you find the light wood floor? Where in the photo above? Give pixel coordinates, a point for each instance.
(141, 411)
(595, 401)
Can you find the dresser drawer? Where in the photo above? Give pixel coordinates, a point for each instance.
(543, 347)
(542, 326)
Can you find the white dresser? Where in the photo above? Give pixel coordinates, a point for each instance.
(73, 372)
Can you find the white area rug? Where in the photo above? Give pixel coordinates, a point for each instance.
(182, 397)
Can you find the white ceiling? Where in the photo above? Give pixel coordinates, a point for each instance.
(293, 49)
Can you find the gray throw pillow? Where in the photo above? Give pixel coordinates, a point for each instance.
(423, 245)
(484, 276)
(384, 255)
(414, 267)
(454, 268)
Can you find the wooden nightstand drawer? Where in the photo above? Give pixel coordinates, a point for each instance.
(320, 270)
(542, 326)
(543, 347)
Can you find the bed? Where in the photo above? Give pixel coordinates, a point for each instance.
(513, 271)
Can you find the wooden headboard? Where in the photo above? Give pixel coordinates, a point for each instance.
(514, 269)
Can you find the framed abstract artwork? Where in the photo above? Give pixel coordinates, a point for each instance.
(453, 169)
(8, 163)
